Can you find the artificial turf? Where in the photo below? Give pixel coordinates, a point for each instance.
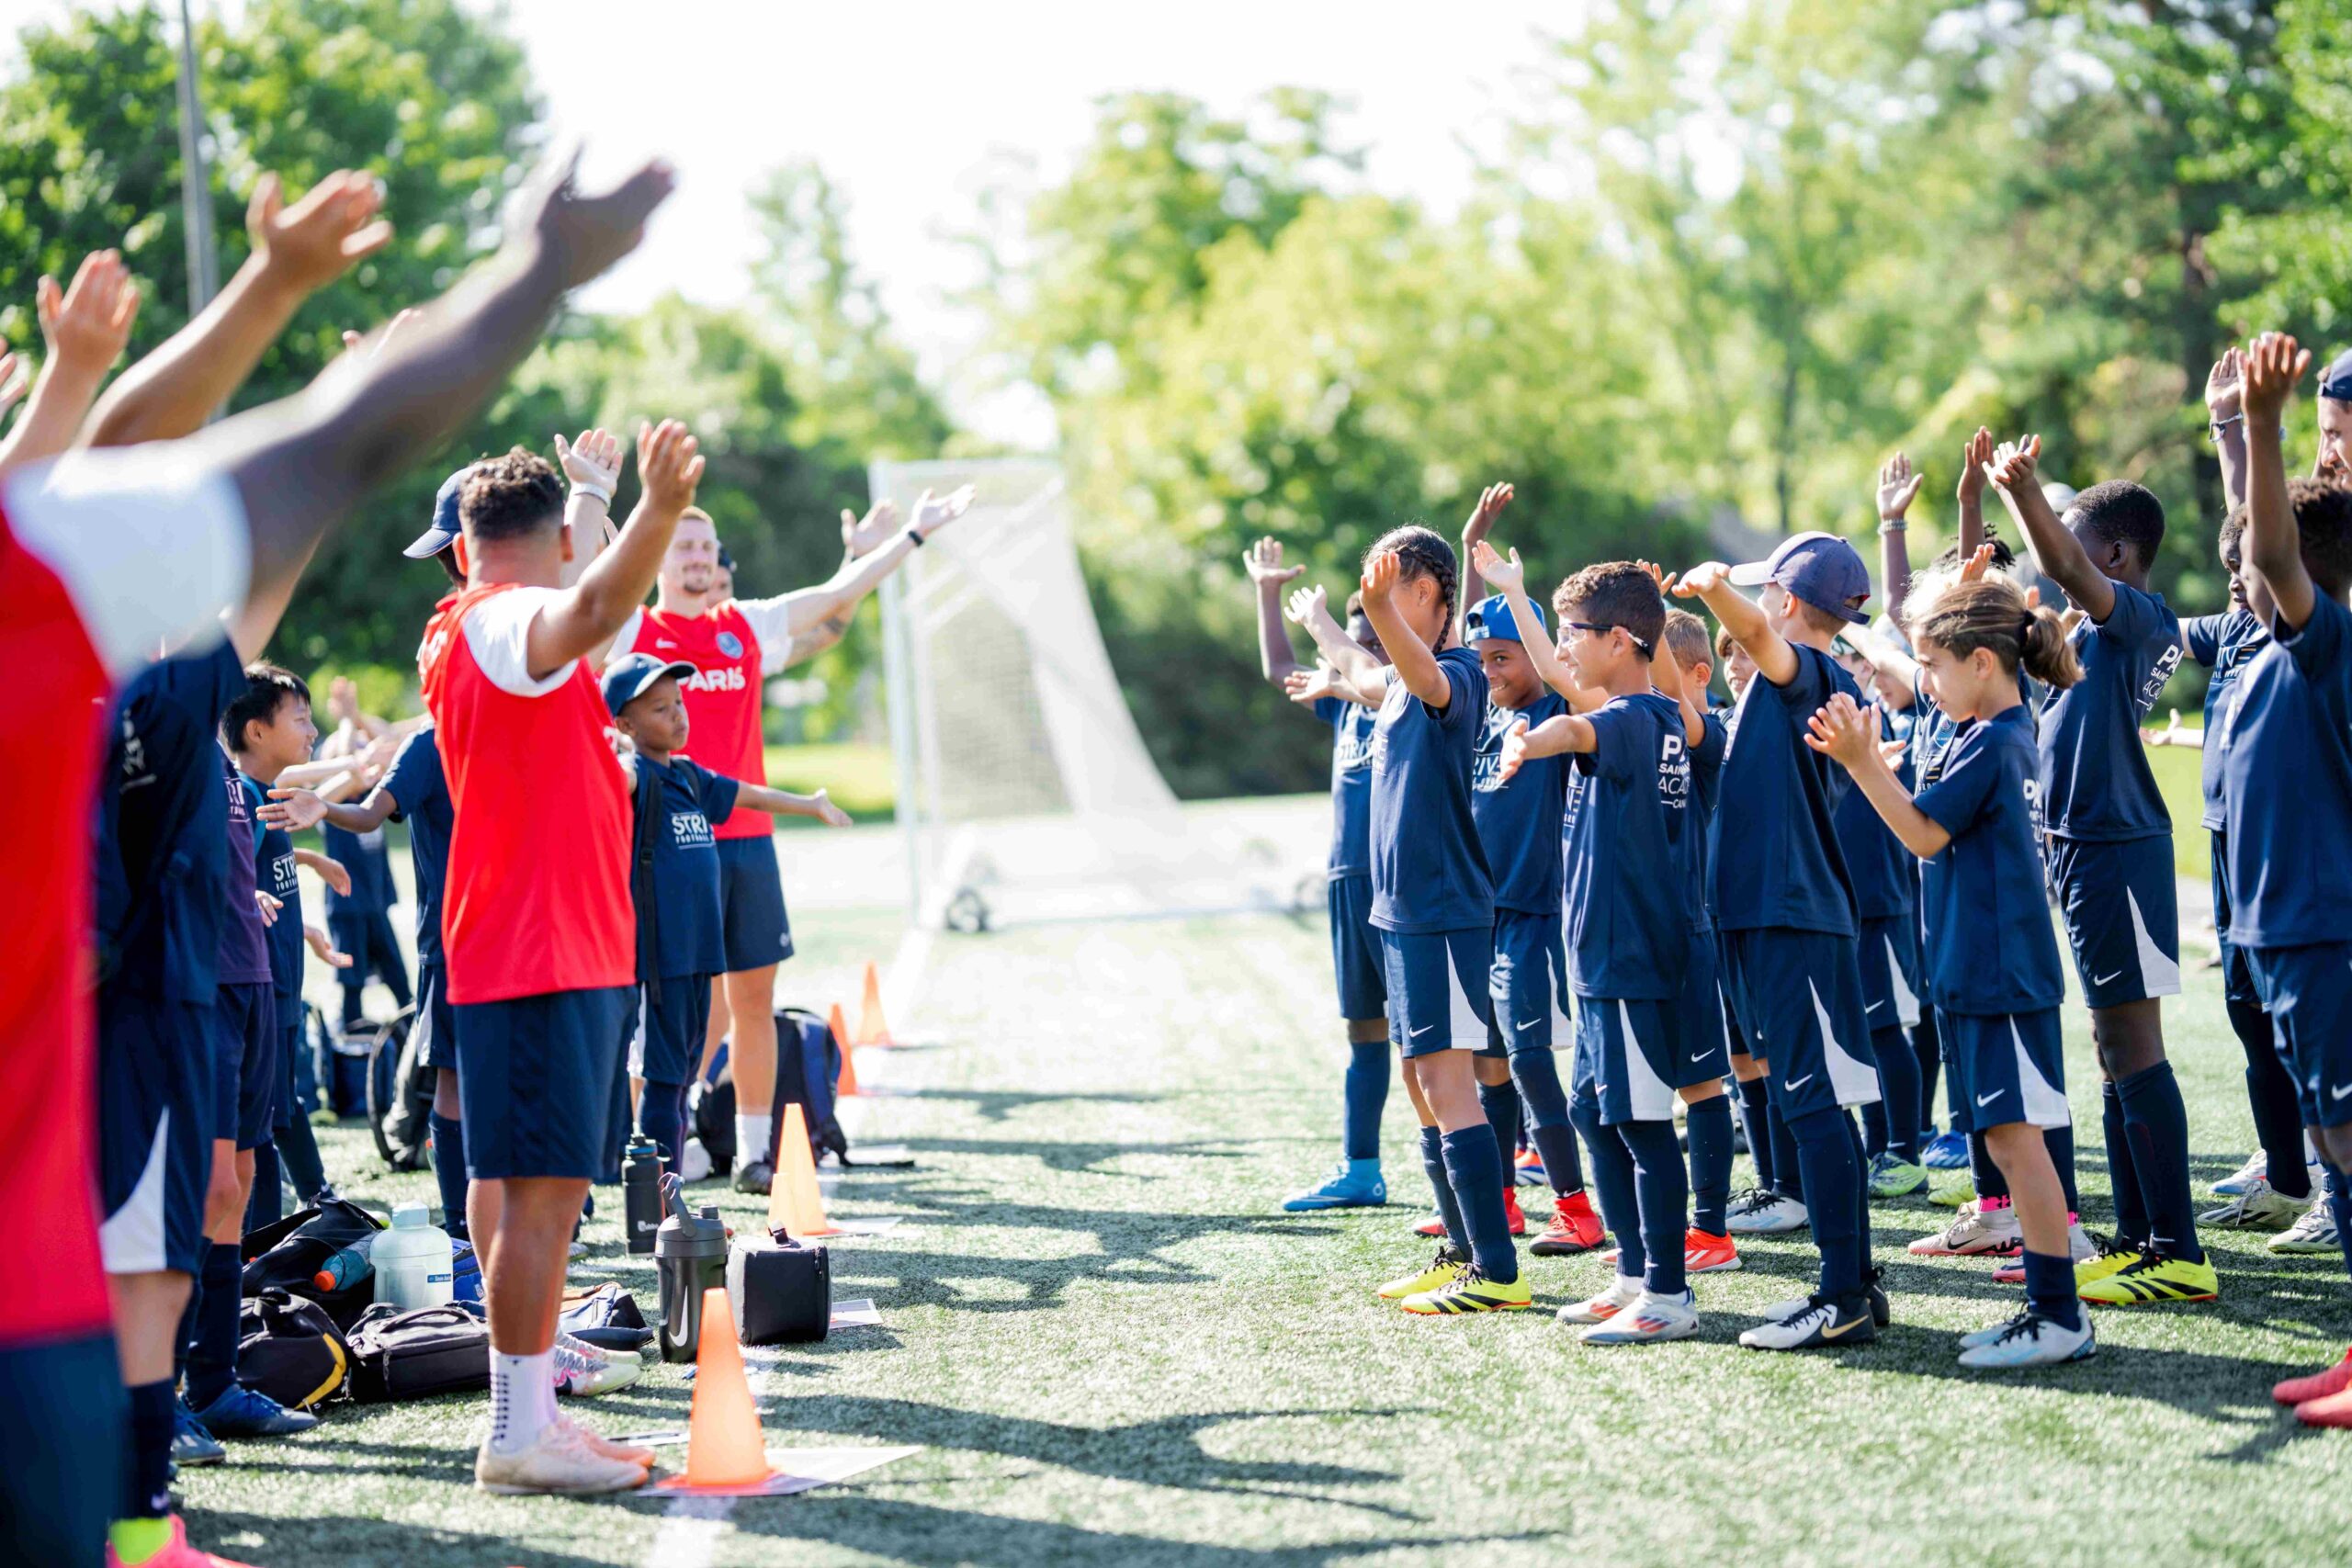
(1112, 1349)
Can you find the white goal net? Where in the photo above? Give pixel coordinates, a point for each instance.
(1026, 792)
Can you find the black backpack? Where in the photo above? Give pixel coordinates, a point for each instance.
(285, 1256)
(714, 1121)
(400, 1093)
(291, 1351)
(414, 1355)
(808, 1071)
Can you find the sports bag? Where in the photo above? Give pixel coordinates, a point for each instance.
(291, 1351)
(807, 1069)
(285, 1256)
(607, 1316)
(414, 1355)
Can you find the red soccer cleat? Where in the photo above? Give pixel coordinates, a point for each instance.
(2304, 1390)
(1511, 1212)
(1573, 1228)
(2335, 1410)
(1706, 1253)
(1433, 1225)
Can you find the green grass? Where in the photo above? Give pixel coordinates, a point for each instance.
(1113, 1350)
(862, 778)
(2179, 775)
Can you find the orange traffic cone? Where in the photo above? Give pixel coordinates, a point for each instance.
(795, 1206)
(848, 1085)
(724, 1447)
(871, 1029)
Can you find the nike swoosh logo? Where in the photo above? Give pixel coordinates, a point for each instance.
(1706, 1055)
(1527, 1023)
(1796, 1084)
(1989, 1099)
(1842, 1330)
(2103, 979)
(1425, 1029)
(2340, 1093)
(1874, 1007)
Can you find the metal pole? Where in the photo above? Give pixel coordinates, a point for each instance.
(195, 183)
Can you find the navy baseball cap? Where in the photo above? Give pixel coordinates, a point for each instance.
(444, 531)
(1490, 620)
(1822, 569)
(627, 678)
(2336, 385)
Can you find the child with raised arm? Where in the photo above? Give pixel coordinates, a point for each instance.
(1433, 900)
(1356, 1181)
(1992, 962)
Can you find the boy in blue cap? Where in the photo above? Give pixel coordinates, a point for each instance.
(1784, 904)
(673, 879)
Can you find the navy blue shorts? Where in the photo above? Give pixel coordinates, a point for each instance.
(536, 1081)
(2237, 977)
(437, 1020)
(1800, 994)
(1356, 962)
(665, 1041)
(2308, 991)
(245, 1063)
(62, 1480)
(1737, 1039)
(1437, 988)
(751, 904)
(1704, 1035)
(2006, 1066)
(155, 1131)
(2122, 917)
(1888, 952)
(1527, 985)
(1628, 1055)
(1962, 1122)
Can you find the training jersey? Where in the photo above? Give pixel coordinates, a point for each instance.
(2287, 786)
(274, 873)
(421, 799)
(1429, 872)
(732, 648)
(244, 941)
(365, 856)
(1628, 929)
(1351, 725)
(1774, 851)
(1882, 870)
(2096, 783)
(1515, 818)
(674, 868)
(1706, 789)
(537, 898)
(104, 556)
(2225, 644)
(1989, 948)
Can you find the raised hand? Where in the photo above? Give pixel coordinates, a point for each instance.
(668, 465)
(325, 949)
(2273, 365)
(878, 527)
(1704, 577)
(1491, 501)
(1307, 687)
(1976, 565)
(2225, 385)
(1306, 605)
(309, 244)
(2168, 736)
(1503, 574)
(293, 809)
(1264, 562)
(2014, 463)
(1898, 487)
(1514, 755)
(334, 874)
(593, 461)
(831, 815)
(933, 512)
(1974, 459)
(88, 323)
(579, 235)
(1844, 732)
(1381, 575)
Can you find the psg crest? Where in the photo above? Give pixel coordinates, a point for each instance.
(731, 645)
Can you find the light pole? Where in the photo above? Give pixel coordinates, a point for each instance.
(196, 186)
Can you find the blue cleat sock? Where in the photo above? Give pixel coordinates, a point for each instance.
(266, 1204)
(2132, 1218)
(2050, 1289)
(1830, 1151)
(1754, 1120)
(1538, 1077)
(1500, 1102)
(1898, 1074)
(1662, 1193)
(1448, 1208)
(2156, 1123)
(1861, 1196)
(1874, 1127)
(1790, 1177)
(1365, 1091)
(148, 1483)
(1983, 1171)
(1473, 1165)
(1710, 1125)
(2277, 1120)
(213, 1351)
(2340, 1203)
(2060, 1141)
(1613, 1184)
(1927, 1053)
(450, 1172)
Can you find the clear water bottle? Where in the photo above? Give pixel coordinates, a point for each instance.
(415, 1261)
(348, 1266)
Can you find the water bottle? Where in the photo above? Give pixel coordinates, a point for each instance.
(348, 1267)
(690, 1253)
(641, 1205)
(415, 1261)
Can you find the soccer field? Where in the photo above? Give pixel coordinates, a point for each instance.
(1111, 1349)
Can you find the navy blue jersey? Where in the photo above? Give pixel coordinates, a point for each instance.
(2225, 644)
(1989, 947)
(1706, 789)
(1628, 919)
(244, 941)
(163, 872)
(1882, 869)
(1429, 873)
(1515, 818)
(674, 868)
(2095, 780)
(1931, 732)
(370, 866)
(421, 798)
(1351, 725)
(274, 875)
(1774, 851)
(2287, 786)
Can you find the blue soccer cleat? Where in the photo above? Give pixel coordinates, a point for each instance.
(242, 1412)
(1946, 1151)
(1352, 1184)
(191, 1444)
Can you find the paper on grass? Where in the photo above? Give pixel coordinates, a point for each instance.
(792, 1470)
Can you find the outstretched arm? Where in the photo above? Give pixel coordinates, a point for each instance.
(784, 803)
(85, 328)
(1510, 578)
(1350, 660)
(1975, 459)
(1710, 583)
(1556, 736)
(1409, 658)
(587, 614)
(2225, 419)
(1481, 523)
(815, 618)
(295, 809)
(2056, 551)
(1899, 486)
(1277, 660)
(1848, 734)
(2274, 546)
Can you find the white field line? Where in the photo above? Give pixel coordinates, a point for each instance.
(692, 1528)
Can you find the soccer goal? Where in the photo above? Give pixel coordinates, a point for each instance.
(1026, 792)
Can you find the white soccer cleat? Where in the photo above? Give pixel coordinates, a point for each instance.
(584, 1373)
(559, 1462)
(1622, 1292)
(2315, 1232)
(2027, 1340)
(1761, 1212)
(1650, 1319)
(2260, 1207)
(2080, 1247)
(1976, 1233)
(605, 1447)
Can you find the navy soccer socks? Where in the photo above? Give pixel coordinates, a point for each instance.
(1500, 1102)
(1612, 1183)
(450, 1170)
(2132, 1222)
(1898, 1107)
(1365, 1094)
(1754, 1120)
(2277, 1120)
(2050, 1289)
(1790, 1178)
(1538, 1077)
(1449, 1208)
(1710, 1128)
(1473, 1164)
(212, 1348)
(1829, 1150)
(1662, 1194)
(2156, 1123)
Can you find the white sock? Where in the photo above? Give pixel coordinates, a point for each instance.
(751, 1139)
(521, 1399)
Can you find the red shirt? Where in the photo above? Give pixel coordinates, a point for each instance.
(537, 898)
(723, 697)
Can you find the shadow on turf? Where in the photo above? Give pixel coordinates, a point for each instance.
(999, 1104)
(1082, 1158)
(357, 1538)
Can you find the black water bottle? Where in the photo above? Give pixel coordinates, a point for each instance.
(641, 1205)
(690, 1254)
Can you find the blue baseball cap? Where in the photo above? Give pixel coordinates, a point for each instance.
(2336, 385)
(1822, 569)
(628, 677)
(1490, 620)
(445, 530)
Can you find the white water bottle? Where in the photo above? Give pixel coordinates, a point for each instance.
(414, 1261)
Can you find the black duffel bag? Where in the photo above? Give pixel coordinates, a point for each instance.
(414, 1355)
(286, 1254)
(291, 1351)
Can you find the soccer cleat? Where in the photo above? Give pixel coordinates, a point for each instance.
(1512, 1212)
(1432, 1226)
(1703, 1253)
(2335, 1410)
(2108, 1253)
(1573, 1228)
(2080, 1247)
(2242, 1180)
(1760, 1211)
(1946, 1151)
(1882, 1310)
(1976, 1233)
(2315, 1232)
(1651, 1318)
(605, 1447)
(191, 1444)
(756, 1177)
(1470, 1292)
(1448, 1264)
(1821, 1323)
(1352, 1184)
(1624, 1291)
(2318, 1385)
(1957, 1196)
(1528, 1168)
(2010, 1271)
(583, 1374)
(2028, 1340)
(175, 1553)
(2260, 1207)
(1890, 1177)
(242, 1412)
(2152, 1277)
(559, 1460)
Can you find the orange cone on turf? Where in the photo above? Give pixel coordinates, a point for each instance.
(871, 1029)
(795, 1206)
(724, 1447)
(848, 1085)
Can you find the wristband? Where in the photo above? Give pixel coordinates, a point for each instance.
(584, 487)
(1891, 526)
(913, 535)
(2215, 427)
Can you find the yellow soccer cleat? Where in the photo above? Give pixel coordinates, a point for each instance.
(1471, 1291)
(1439, 1274)
(2112, 1254)
(2151, 1278)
